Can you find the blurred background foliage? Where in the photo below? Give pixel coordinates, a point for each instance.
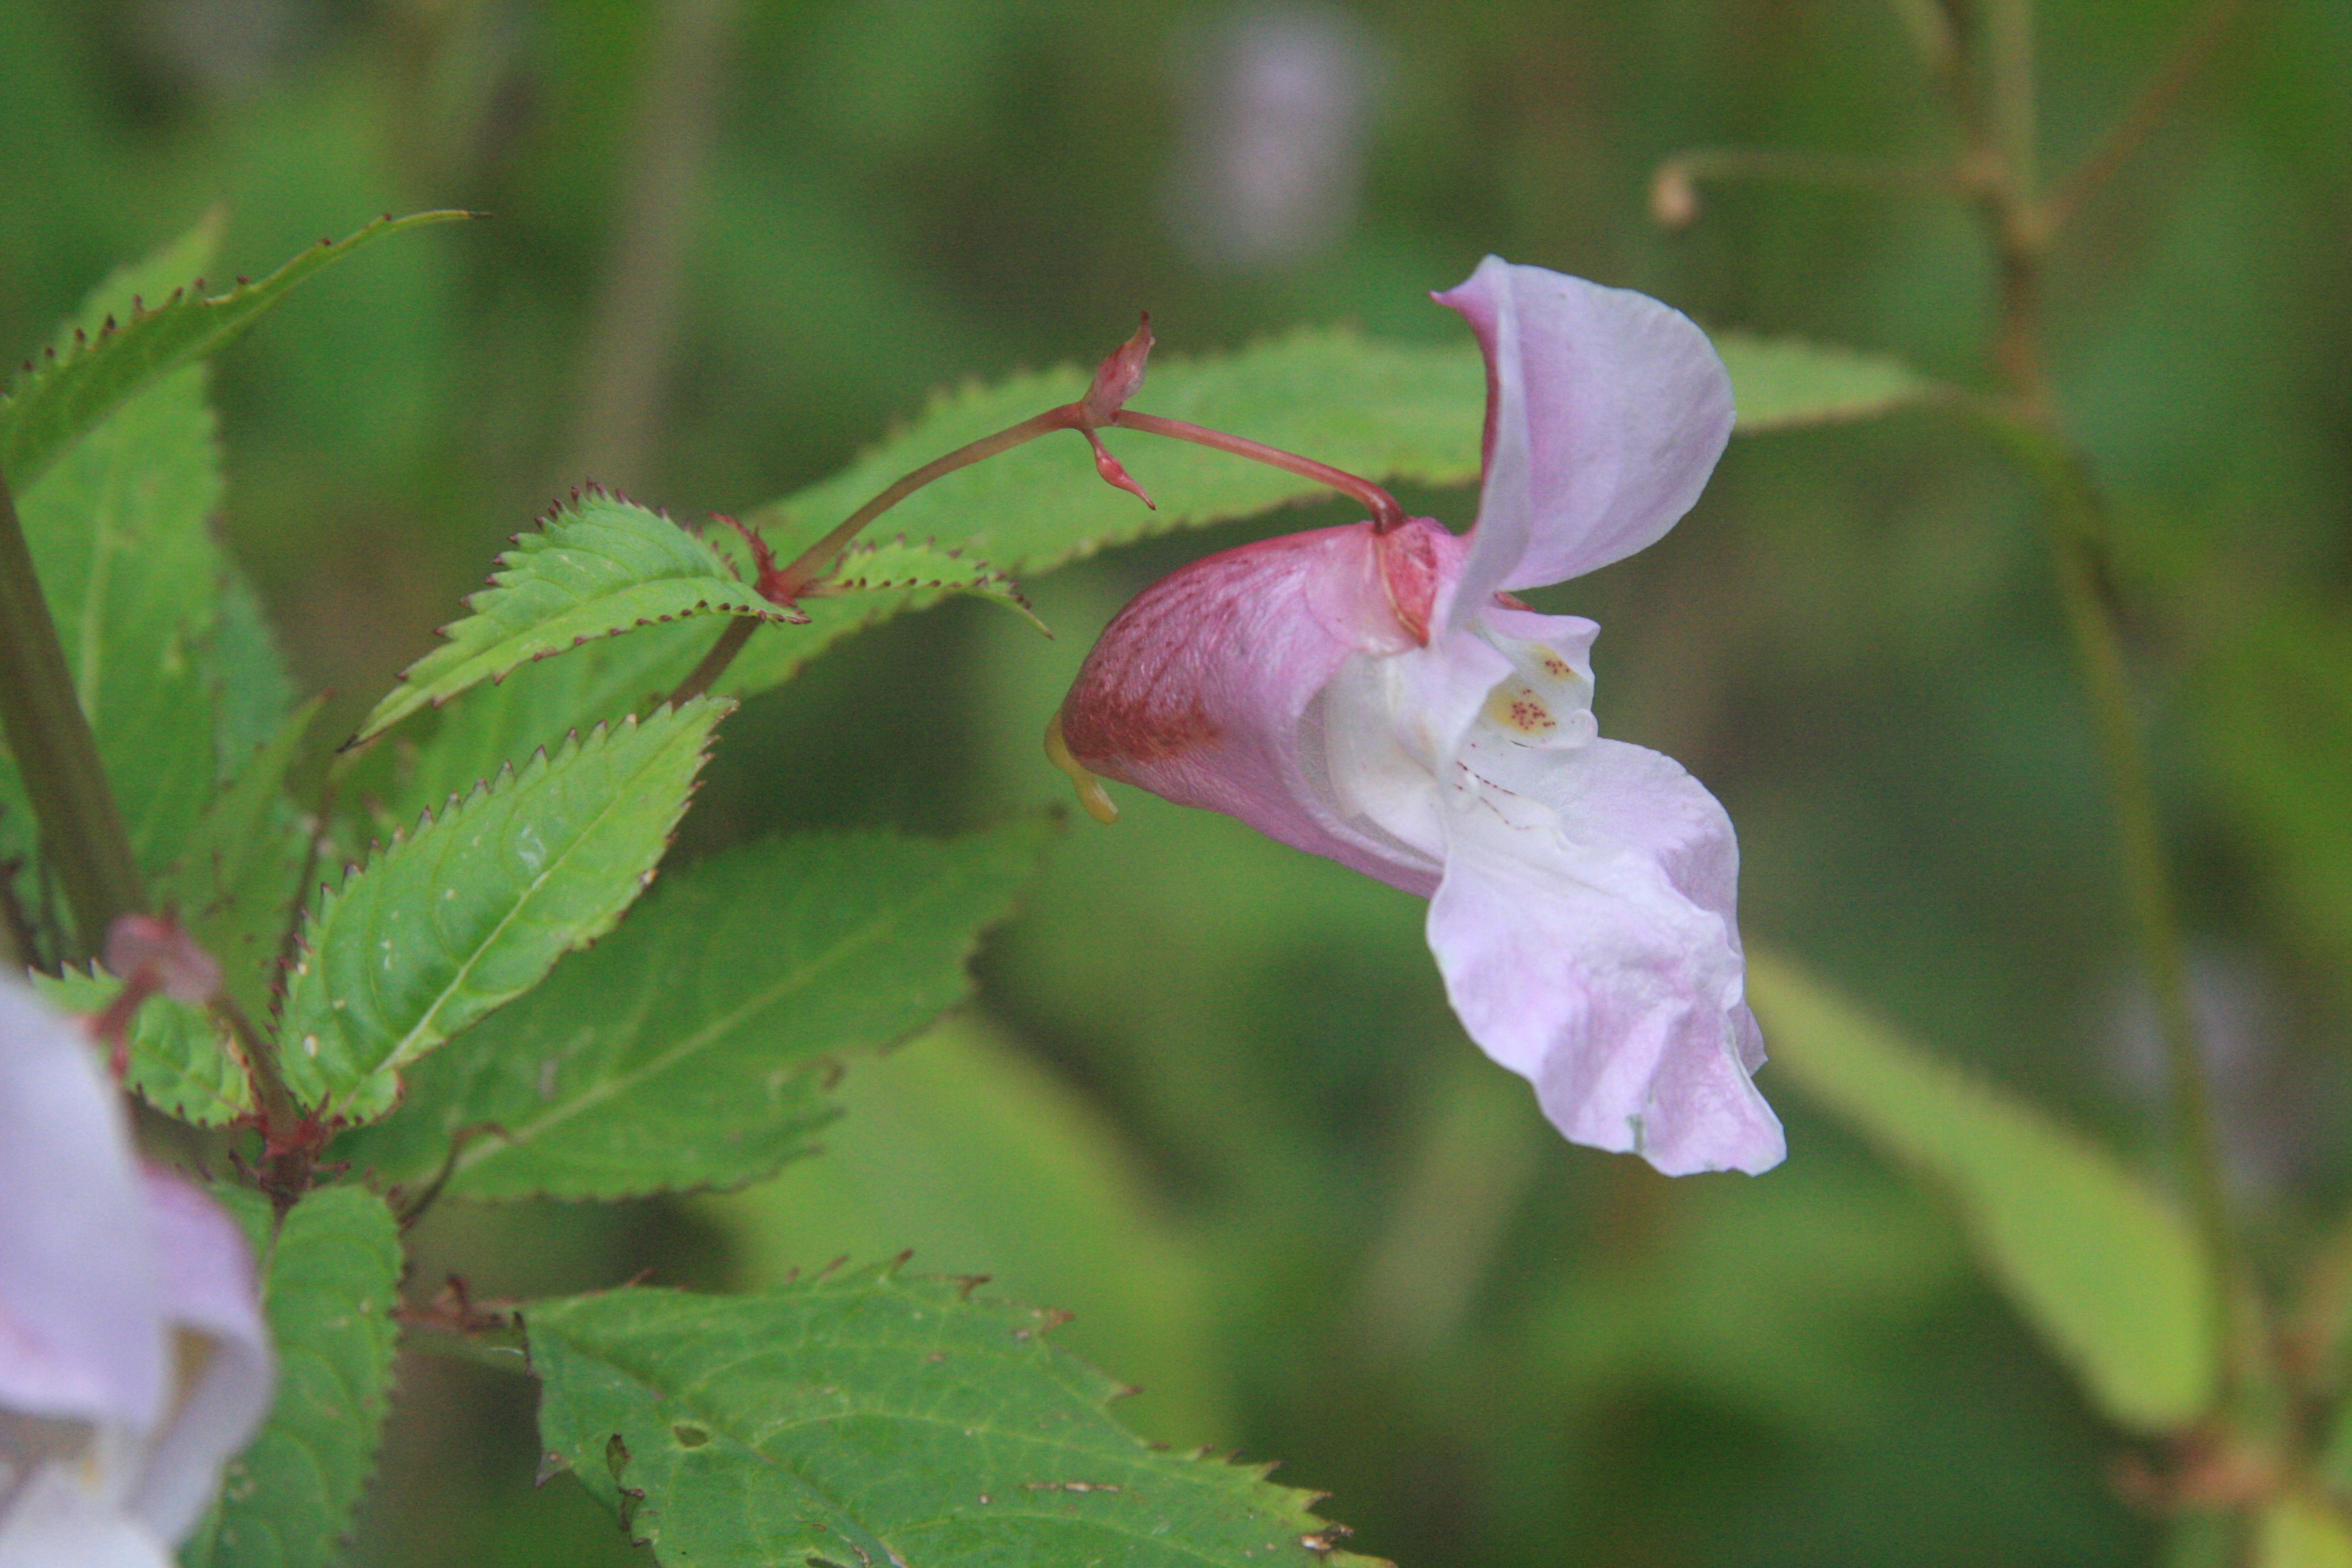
(1212, 1100)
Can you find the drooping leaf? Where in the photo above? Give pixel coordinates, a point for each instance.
(475, 907)
(966, 1148)
(71, 390)
(601, 565)
(690, 1049)
(879, 1419)
(233, 884)
(1787, 383)
(2109, 1272)
(179, 1060)
(329, 1289)
(895, 565)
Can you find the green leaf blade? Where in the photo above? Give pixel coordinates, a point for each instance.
(179, 1060)
(875, 1418)
(329, 1292)
(690, 1049)
(601, 566)
(474, 909)
(1787, 383)
(65, 396)
(2107, 1271)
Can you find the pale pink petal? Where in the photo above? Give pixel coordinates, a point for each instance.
(80, 1333)
(54, 1522)
(1605, 413)
(1590, 947)
(208, 1293)
(1198, 690)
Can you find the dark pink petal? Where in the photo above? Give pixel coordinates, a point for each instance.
(82, 1336)
(1197, 690)
(1605, 413)
(1589, 945)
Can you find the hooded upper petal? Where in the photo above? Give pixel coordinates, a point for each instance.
(1605, 413)
(1198, 691)
(79, 1335)
(1586, 930)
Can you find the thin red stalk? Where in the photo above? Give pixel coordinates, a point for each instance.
(1386, 514)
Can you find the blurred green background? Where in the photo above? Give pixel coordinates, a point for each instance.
(1212, 1100)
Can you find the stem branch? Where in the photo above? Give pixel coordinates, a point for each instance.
(1387, 515)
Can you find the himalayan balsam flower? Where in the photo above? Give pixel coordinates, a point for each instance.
(133, 1363)
(1376, 696)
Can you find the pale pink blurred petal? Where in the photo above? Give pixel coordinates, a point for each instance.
(1605, 413)
(55, 1522)
(1595, 954)
(208, 1291)
(78, 1332)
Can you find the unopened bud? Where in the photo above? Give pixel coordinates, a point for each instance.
(1116, 380)
(1115, 472)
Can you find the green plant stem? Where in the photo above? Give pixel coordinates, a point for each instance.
(279, 1112)
(57, 755)
(2002, 137)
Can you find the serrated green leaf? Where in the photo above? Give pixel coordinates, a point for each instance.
(233, 884)
(254, 693)
(876, 1419)
(689, 1049)
(1787, 383)
(474, 909)
(2107, 1271)
(601, 565)
(970, 1151)
(897, 565)
(63, 397)
(331, 1282)
(120, 535)
(178, 1061)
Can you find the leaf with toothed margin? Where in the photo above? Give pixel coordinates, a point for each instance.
(329, 1286)
(877, 1418)
(893, 565)
(473, 909)
(58, 399)
(600, 566)
(691, 1047)
(179, 1061)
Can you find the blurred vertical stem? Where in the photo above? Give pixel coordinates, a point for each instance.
(57, 755)
(2078, 518)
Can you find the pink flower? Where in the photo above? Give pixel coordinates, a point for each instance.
(1375, 697)
(133, 1361)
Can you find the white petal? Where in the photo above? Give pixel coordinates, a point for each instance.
(1584, 928)
(208, 1293)
(1605, 412)
(55, 1522)
(80, 1332)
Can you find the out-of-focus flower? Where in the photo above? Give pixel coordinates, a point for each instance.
(133, 1361)
(1375, 696)
(1273, 144)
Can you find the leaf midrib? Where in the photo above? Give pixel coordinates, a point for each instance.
(701, 1038)
(401, 1053)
